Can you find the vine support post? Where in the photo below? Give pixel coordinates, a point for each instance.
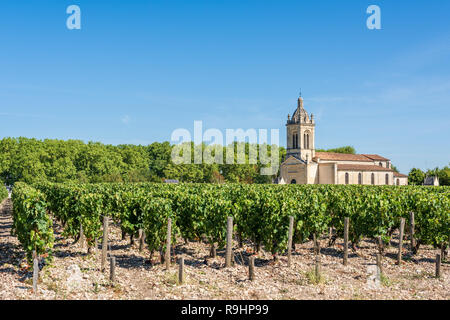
(112, 269)
(411, 221)
(400, 241)
(291, 229)
(104, 242)
(380, 245)
(168, 242)
(229, 242)
(346, 224)
(379, 262)
(318, 267)
(35, 271)
(181, 271)
(141, 239)
(251, 268)
(438, 266)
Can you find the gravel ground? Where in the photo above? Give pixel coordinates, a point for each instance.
(74, 274)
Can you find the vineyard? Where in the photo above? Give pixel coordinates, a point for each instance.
(198, 213)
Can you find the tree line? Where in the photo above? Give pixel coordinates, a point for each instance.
(416, 176)
(32, 160)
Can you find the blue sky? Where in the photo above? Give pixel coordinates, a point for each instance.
(137, 70)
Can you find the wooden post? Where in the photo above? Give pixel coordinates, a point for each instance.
(291, 228)
(229, 242)
(168, 243)
(316, 244)
(251, 268)
(318, 267)
(346, 222)
(104, 243)
(141, 239)
(379, 262)
(181, 271)
(411, 221)
(400, 242)
(380, 245)
(35, 271)
(438, 266)
(112, 269)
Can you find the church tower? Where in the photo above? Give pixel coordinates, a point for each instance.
(300, 134)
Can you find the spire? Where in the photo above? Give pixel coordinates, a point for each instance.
(300, 102)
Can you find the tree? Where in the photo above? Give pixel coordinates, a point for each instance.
(345, 149)
(416, 177)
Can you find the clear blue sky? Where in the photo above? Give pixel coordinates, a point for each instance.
(137, 70)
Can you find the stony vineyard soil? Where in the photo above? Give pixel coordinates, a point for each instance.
(75, 275)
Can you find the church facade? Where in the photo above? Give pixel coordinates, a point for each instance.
(303, 165)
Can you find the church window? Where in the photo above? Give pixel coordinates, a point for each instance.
(307, 141)
(387, 178)
(372, 178)
(295, 141)
(346, 178)
(304, 141)
(293, 181)
(360, 178)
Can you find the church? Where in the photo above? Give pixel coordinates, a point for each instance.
(303, 165)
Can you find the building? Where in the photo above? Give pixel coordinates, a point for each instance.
(303, 165)
(431, 181)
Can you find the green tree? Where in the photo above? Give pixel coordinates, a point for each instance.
(416, 177)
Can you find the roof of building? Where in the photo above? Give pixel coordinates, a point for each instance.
(341, 157)
(361, 167)
(430, 180)
(171, 181)
(400, 175)
(375, 157)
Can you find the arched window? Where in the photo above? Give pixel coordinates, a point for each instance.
(307, 141)
(304, 141)
(360, 178)
(296, 141)
(346, 178)
(387, 178)
(293, 181)
(372, 178)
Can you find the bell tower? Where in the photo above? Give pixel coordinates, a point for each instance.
(300, 134)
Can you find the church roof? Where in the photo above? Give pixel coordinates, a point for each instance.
(361, 167)
(375, 157)
(341, 157)
(295, 157)
(400, 175)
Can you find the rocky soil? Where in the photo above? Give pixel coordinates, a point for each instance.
(74, 274)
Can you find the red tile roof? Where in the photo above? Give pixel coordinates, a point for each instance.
(361, 167)
(341, 157)
(400, 175)
(375, 157)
